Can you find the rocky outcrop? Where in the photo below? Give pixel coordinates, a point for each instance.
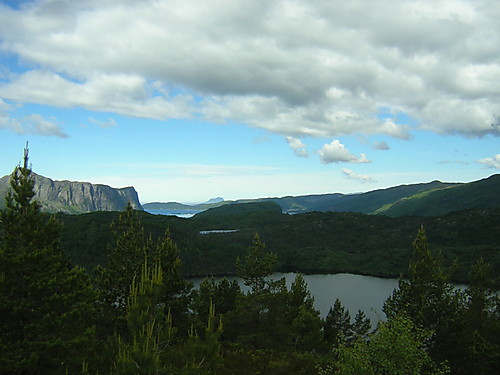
(78, 197)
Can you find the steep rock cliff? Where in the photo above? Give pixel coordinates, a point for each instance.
(77, 197)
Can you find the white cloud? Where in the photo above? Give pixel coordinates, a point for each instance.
(355, 176)
(298, 147)
(118, 93)
(336, 152)
(296, 68)
(103, 124)
(493, 162)
(32, 124)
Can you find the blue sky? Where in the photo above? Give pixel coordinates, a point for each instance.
(189, 100)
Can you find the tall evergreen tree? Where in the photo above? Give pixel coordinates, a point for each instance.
(481, 335)
(126, 255)
(337, 325)
(361, 326)
(47, 307)
(256, 266)
(150, 331)
(175, 289)
(431, 302)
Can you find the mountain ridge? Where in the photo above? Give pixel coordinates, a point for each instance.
(424, 199)
(75, 197)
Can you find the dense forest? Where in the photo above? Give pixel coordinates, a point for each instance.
(315, 242)
(135, 313)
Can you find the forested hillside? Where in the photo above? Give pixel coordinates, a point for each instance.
(137, 314)
(483, 194)
(316, 242)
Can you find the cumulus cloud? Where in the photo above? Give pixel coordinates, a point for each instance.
(336, 152)
(32, 124)
(493, 162)
(296, 68)
(356, 176)
(298, 147)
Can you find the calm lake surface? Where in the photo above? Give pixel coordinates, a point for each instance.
(356, 292)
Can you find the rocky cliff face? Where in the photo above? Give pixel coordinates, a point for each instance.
(78, 197)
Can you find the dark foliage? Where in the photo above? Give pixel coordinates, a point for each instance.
(310, 243)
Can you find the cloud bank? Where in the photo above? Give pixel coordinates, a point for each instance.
(296, 68)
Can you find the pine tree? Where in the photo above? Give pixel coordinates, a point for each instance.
(176, 289)
(201, 354)
(481, 335)
(337, 325)
(150, 331)
(47, 307)
(304, 320)
(125, 258)
(361, 326)
(256, 266)
(429, 300)
(24, 227)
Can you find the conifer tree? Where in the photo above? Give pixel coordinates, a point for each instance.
(176, 289)
(304, 319)
(337, 325)
(125, 258)
(201, 354)
(150, 331)
(126, 255)
(256, 266)
(481, 335)
(429, 300)
(361, 326)
(46, 306)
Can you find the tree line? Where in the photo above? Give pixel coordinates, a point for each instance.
(136, 314)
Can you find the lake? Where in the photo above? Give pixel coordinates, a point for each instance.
(356, 292)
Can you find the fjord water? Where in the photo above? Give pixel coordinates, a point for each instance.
(356, 292)
(179, 213)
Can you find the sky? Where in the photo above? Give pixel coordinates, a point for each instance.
(187, 100)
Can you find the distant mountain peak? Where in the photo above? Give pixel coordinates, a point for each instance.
(215, 200)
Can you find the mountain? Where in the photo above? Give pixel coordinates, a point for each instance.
(215, 200)
(425, 199)
(482, 194)
(365, 203)
(77, 197)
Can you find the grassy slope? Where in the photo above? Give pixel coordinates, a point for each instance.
(482, 194)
